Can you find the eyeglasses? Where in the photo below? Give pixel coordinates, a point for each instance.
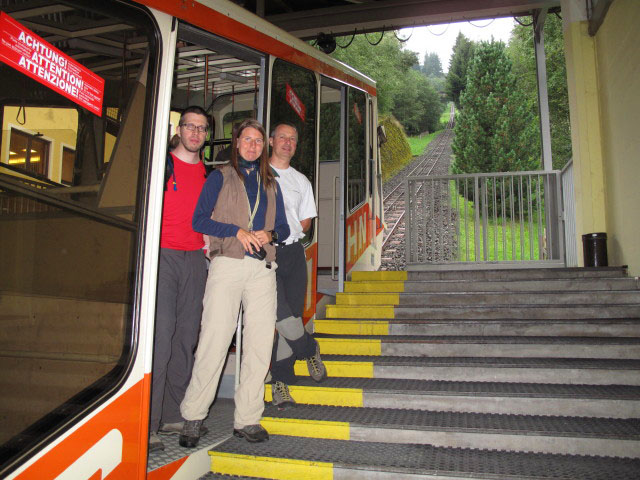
(193, 128)
(249, 140)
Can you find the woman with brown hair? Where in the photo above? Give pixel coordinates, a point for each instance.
(241, 210)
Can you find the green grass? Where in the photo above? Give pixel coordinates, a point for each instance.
(446, 115)
(514, 234)
(419, 143)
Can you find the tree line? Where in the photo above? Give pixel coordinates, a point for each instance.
(493, 85)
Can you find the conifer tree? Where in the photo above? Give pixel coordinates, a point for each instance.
(493, 131)
(458, 65)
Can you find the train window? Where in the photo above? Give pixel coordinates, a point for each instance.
(330, 124)
(293, 100)
(71, 177)
(356, 149)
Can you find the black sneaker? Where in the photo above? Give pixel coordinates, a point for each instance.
(252, 433)
(190, 435)
(317, 370)
(281, 396)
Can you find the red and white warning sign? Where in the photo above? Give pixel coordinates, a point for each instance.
(296, 103)
(28, 53)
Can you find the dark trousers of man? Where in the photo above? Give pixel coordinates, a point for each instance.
(292, 341)
(182, 277)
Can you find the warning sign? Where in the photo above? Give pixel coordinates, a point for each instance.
(28, 53)
(296, 103)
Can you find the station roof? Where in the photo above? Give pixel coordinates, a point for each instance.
(306, 20)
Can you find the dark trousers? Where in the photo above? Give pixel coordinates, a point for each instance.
(292, 342)
(182, 277)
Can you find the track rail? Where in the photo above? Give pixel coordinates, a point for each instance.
(436, 157)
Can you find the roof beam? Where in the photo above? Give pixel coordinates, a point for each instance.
(395, 14)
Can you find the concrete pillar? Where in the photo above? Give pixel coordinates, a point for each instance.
(585, 116)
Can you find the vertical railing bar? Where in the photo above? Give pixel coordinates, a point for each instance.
(485, 219)
(495, 220)
(513, 224)
(520, 219)
(407, 221)
(457, 220)
(504, 220)
(540, 210)
(530, 206)
(442, 219)
(476, 218)
(466, 227)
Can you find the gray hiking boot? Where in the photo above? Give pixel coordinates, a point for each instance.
(252, 433)
(190, 434)
(176, 429)
(316, 368)
(281, 396)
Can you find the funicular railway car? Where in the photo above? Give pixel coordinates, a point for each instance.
(90, 95)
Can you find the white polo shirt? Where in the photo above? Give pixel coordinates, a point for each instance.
(298, 200)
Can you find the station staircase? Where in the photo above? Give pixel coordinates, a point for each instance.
(492, 374)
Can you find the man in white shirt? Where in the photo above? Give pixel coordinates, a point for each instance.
(292, 340)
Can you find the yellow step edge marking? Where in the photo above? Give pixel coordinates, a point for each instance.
(366, 287)
(295, 427)
(356, 311)
(346, 327)
(269, 467)
(350, 346)
(337, 397)
(339, 369)
(367, 298)
(376, 276)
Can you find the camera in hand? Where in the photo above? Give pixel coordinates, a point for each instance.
(259, 254)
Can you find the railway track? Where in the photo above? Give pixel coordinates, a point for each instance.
(435, 161)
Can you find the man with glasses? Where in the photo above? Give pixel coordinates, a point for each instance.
(182, 275)
(292, 340)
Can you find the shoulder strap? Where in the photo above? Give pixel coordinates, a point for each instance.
(168, 171)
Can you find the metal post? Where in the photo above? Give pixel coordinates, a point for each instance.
(539, 17)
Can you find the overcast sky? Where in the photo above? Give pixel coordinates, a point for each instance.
(441, 38)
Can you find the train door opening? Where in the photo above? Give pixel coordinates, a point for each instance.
(330, 188)
(224, 78)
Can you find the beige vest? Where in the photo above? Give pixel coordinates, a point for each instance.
(232, 207)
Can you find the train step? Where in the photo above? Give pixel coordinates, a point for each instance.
(483, 369)
(493, 274)
(553, 285)
(514, 327)
(530, 433)
(609, 400)
(284, 457)
(483, 311)
(481, 346)
(517, 299)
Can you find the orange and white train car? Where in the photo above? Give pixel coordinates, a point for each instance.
(91, 92)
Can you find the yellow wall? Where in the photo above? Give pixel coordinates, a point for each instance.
(618, 60)
(57, 125)
(603, 76)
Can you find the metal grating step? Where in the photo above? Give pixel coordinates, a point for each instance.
(621, 327)
(359, 460)
(618, 401)
(541, 433)
(499, 362)
(512, 299)
(525, 285)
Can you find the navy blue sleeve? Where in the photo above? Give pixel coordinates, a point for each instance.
(201, 221)
(281, 226)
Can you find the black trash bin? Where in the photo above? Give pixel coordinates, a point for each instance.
(594, 247)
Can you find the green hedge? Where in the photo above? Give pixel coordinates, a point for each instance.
(395, 152)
